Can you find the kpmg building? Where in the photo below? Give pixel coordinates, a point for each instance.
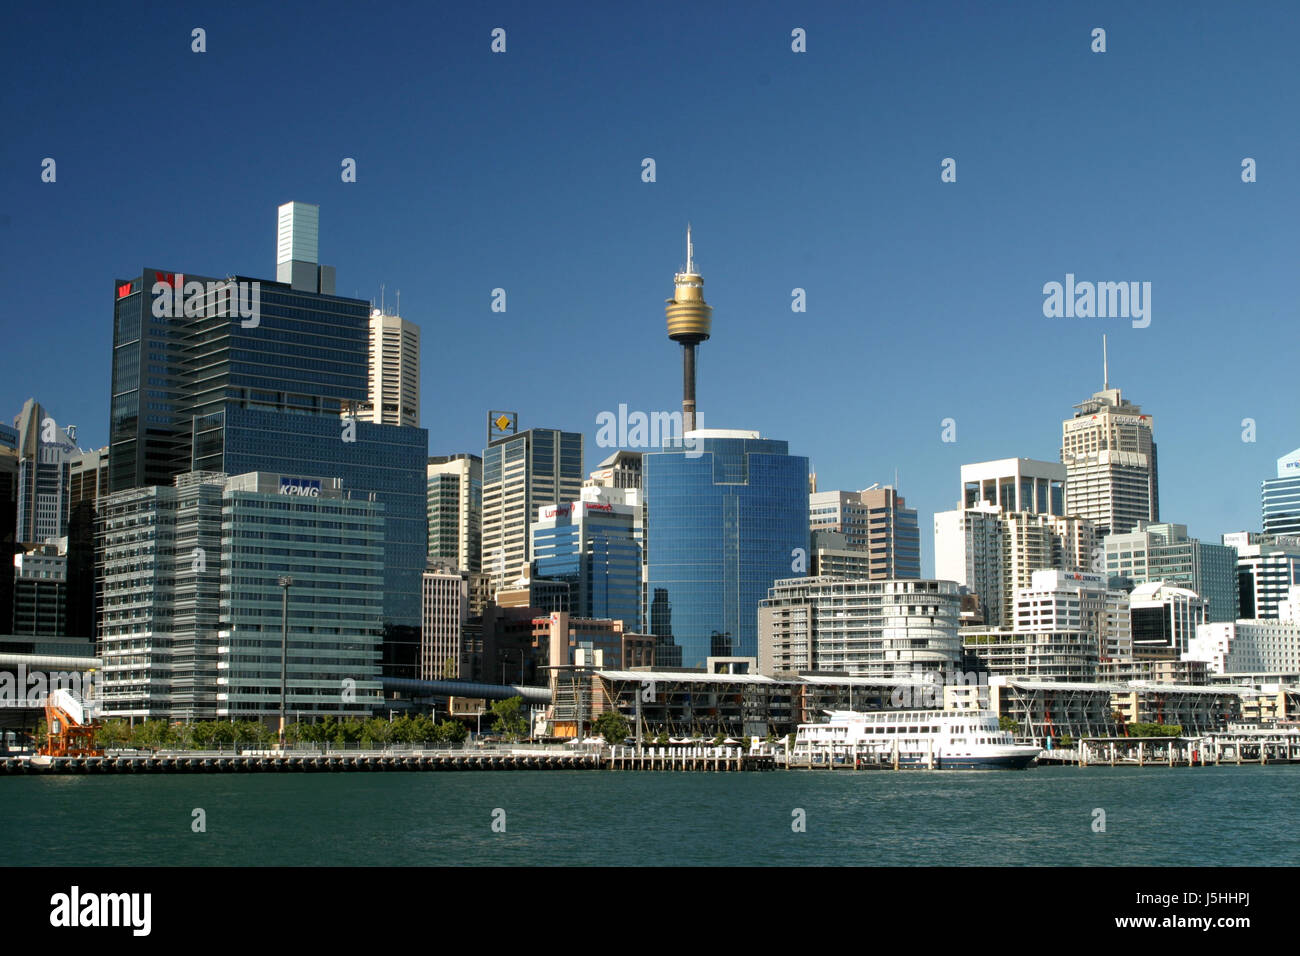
(726, 517)
(235, 375)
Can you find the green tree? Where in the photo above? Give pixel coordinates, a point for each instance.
(1006, 723)
(720, 739)
(153, 735)
(509, 721)
(115, 733)
(223, 734)
(1155, 730)
(422, 729)
(351, 729)
(450, 732)
(374, 732)
(612, 726)
(662, 739)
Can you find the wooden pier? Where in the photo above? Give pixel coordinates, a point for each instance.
(616, 758)
(1212, 750)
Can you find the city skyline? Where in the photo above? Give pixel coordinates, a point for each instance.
(853, 211)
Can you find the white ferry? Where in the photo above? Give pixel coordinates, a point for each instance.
(931, 739)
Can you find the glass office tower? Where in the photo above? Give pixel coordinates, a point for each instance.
(594, 546)
(217, 392)
(1280, 497)
(724, 521)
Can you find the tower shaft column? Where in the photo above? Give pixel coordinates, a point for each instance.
(688, 387)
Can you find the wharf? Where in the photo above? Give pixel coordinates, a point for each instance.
(1211, 750)
(617, 758)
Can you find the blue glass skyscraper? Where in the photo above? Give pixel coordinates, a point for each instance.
(724, 520)
(594, 545)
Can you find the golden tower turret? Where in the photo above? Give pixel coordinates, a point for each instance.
(690, 319)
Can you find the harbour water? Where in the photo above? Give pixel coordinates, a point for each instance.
(1212, 816)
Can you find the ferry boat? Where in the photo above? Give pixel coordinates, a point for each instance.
(930, 739)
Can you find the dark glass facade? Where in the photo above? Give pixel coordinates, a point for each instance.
(210, 393)
(721, 528)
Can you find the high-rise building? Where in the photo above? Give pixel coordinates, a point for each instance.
(1015, 484)
(620, 470)
(1077, 601)
(1110, 457)
(1280, 497)
(1164, 619)
(239, 375)
(45, 453)
(40, 581)
(455, 510)
(191, 598)
(881, 629)
(89, 485)
(831, 555)
(8, 517)
(1037, 542)
(690, 322)
(88, 477)
(1164, 552)
(725, 519)
(994, 553)
(968, 550)
(875, 521)
(594, 545)
(392, 371)
(522, 472)
(446, 611)
(1267, 565)
(1252, 646)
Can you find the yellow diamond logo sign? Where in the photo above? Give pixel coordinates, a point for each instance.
(502, 422)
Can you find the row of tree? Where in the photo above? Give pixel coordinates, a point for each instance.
(211, 734)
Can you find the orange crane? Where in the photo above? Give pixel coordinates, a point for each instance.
(70, 727)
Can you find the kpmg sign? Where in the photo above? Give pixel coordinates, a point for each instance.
(303, 487)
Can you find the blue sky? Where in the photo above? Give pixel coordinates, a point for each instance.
(818, 170)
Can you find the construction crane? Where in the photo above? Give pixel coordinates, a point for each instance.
(70, 726)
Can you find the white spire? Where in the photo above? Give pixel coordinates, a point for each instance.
(690, 252)
(1105, 366)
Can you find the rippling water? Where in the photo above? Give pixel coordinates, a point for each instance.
(1154, 816)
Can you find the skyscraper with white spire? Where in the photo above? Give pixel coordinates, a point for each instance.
(1109, 452)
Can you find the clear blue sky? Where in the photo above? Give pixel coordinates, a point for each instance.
(816, 170)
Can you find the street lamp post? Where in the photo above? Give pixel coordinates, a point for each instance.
(285, 583)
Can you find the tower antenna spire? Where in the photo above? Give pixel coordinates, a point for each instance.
(690, 252)
(1105, 365)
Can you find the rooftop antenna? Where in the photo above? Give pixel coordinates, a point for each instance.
(690, 252)
(399, 302)
(381, 297)
(1105, 365)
